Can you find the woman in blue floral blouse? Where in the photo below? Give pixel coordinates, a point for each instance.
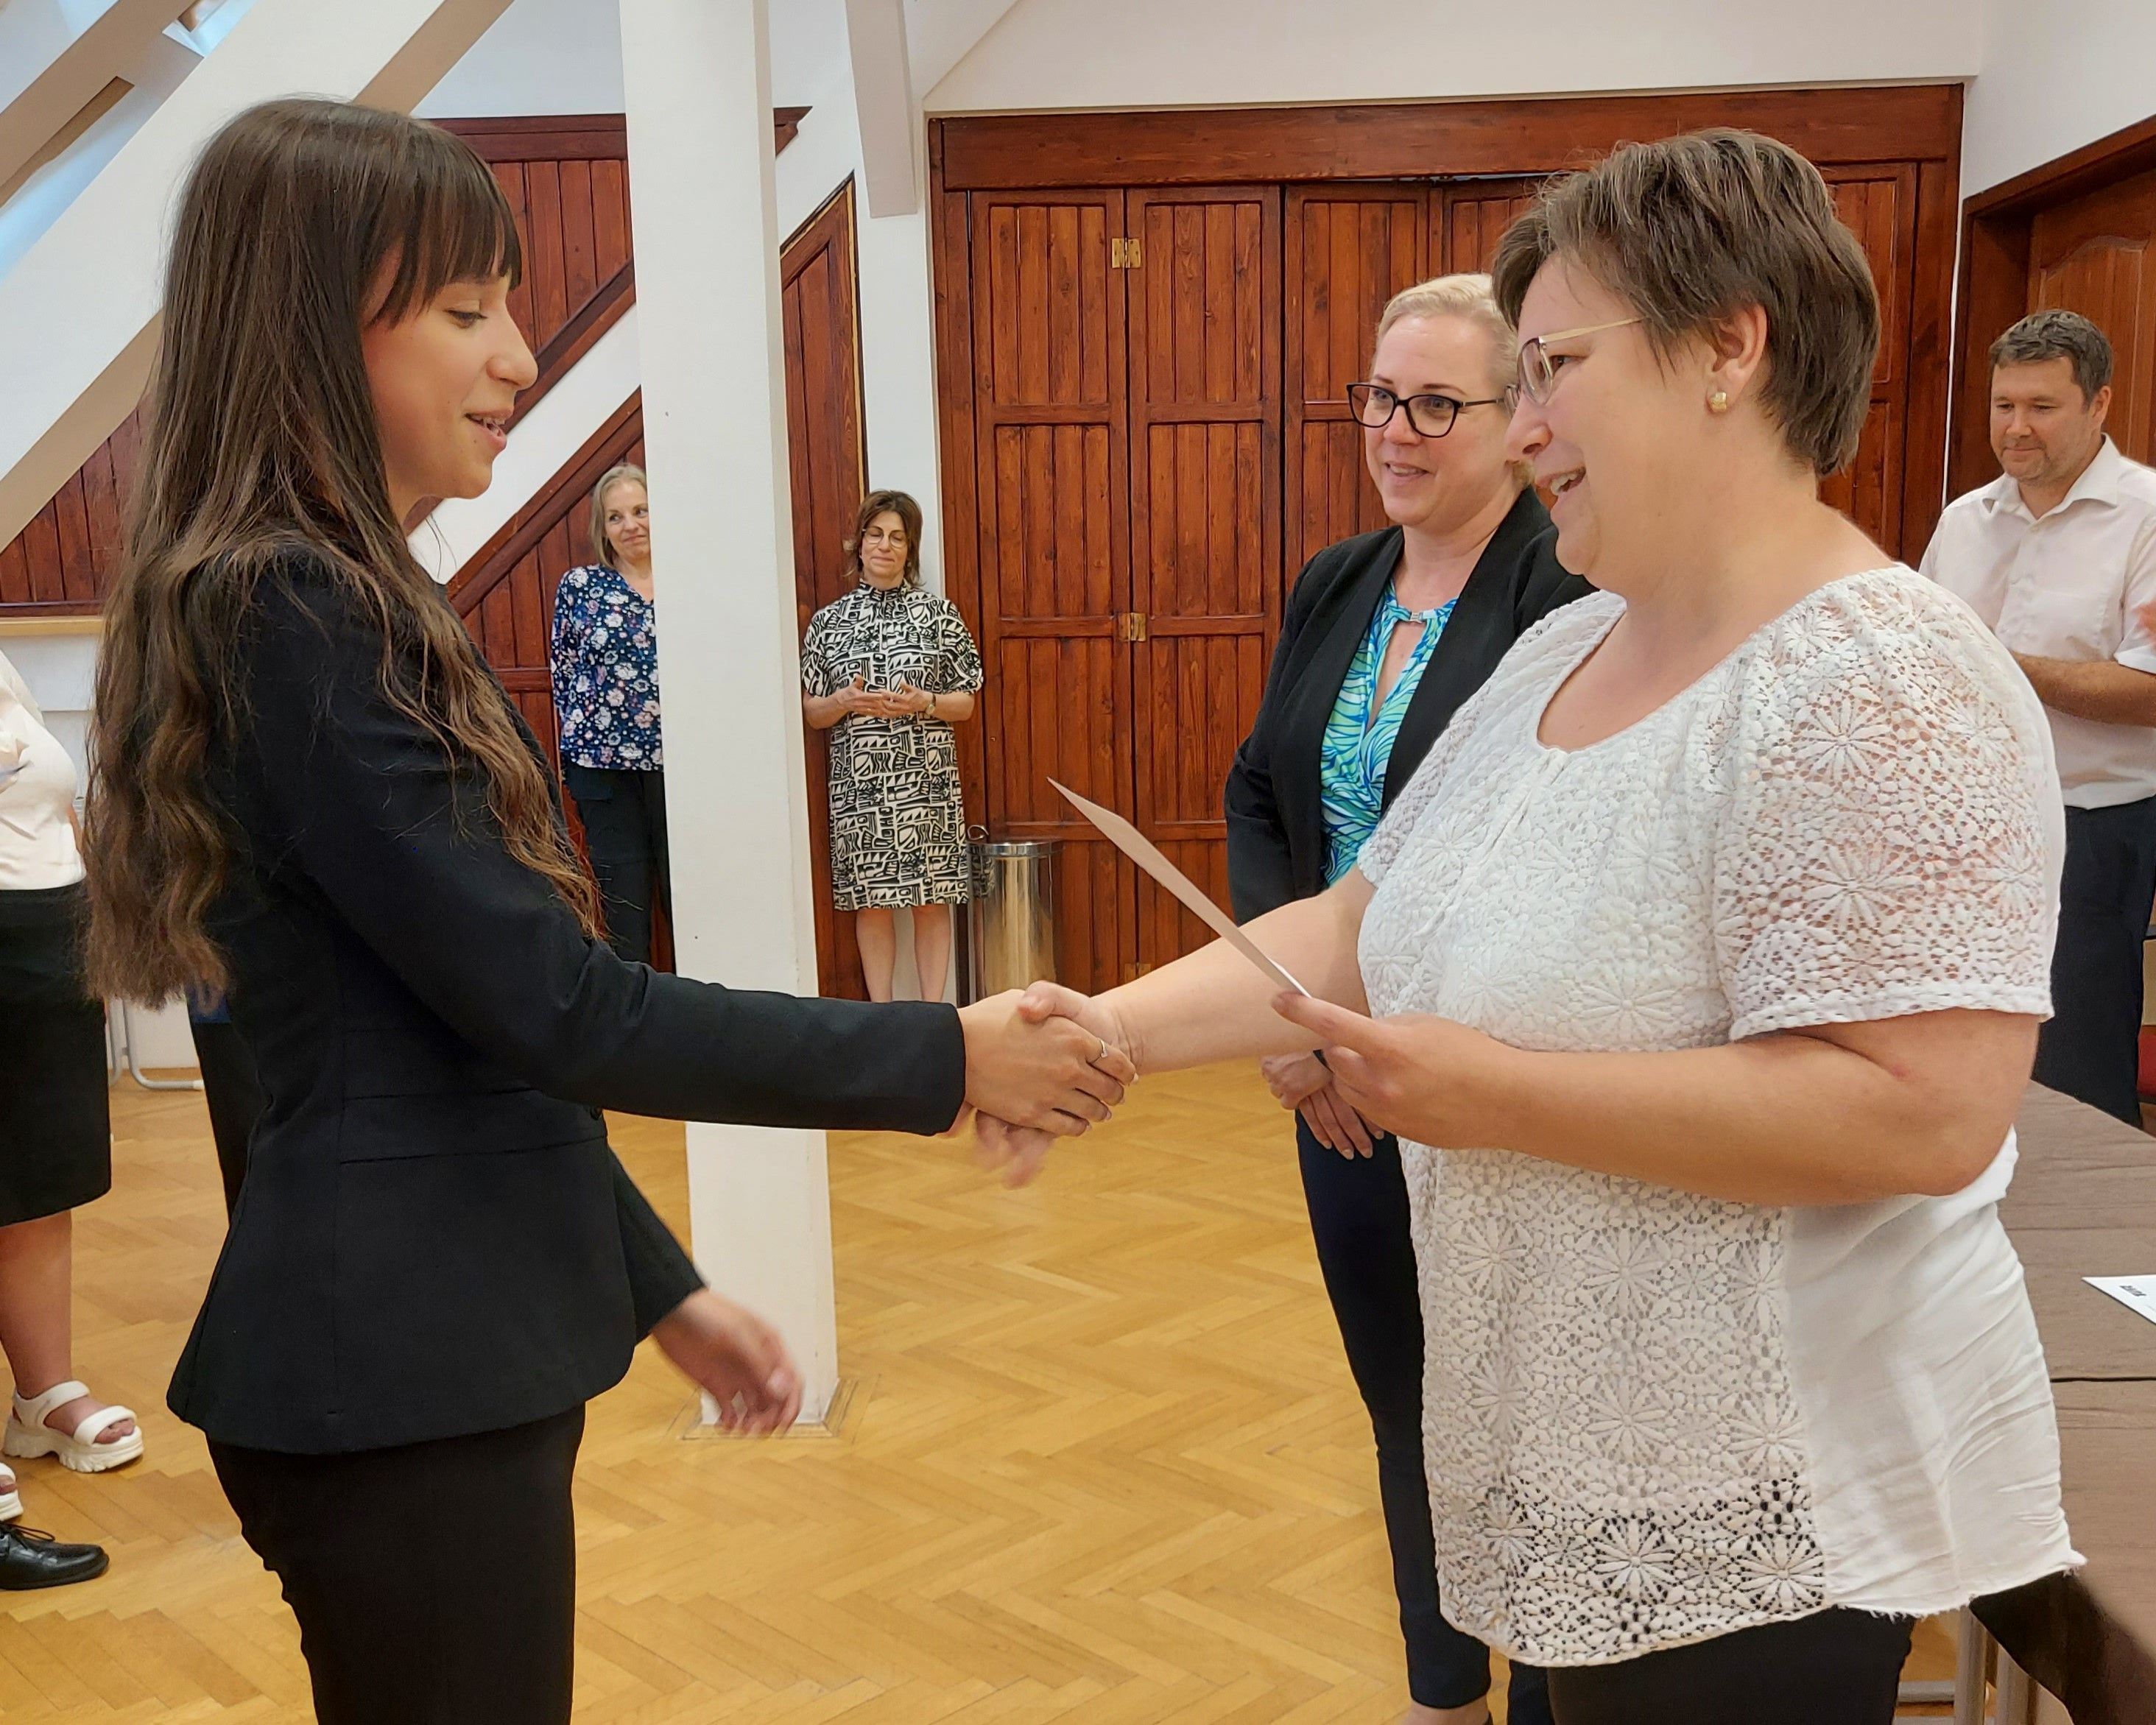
(888, 669)
(605, 661)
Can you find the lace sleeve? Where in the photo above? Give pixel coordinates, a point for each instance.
(1892, 831)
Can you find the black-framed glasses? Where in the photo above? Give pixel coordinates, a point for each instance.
(1374, 405)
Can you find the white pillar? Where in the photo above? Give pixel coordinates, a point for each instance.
(697, 75)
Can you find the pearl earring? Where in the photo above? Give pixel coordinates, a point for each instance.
(1718, 403)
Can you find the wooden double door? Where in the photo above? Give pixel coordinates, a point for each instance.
(1161, 440)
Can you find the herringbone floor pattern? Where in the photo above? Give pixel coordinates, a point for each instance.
(1102, 1461)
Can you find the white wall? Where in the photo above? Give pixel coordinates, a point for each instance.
(2056, 76)
(1135, 53)
(564, 57)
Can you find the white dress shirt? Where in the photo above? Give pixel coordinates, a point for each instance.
(2069, 585)
(37, 790)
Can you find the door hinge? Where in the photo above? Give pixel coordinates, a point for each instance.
(1123, 254)
(1131, 625)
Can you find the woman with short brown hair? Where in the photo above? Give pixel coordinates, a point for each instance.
(1703, 961)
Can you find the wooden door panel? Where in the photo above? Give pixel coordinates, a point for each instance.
(1346, 251)
(1475, 215)
(2096, 255)
(1164, 927)
(1052, 485)
(1204, 413)
(1203, 691)
(1878, 204)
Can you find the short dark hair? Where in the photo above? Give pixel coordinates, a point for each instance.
(2058, 334)
(907, 511)
(1691, 230)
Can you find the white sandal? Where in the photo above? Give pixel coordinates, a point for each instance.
(29, 1437)
(10, 1504)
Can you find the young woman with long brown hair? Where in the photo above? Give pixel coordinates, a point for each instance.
(310, 793)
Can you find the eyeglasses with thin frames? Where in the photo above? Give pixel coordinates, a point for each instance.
(1537, 365)
(1374, 405)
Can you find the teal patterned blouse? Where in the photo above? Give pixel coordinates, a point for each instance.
(1358, 744)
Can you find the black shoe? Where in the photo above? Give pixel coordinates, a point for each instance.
(29, 1559)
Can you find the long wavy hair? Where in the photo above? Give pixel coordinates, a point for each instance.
(300, 222)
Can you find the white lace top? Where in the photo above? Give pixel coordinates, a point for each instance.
(1651, 1417)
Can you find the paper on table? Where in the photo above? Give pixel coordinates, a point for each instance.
(2138, 1293)
(1141, 850)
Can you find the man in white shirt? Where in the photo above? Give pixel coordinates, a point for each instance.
(2058, 556)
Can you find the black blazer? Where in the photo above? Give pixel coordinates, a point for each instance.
(434, 1238)
(1276, 813)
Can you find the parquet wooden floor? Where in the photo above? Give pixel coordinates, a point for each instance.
(1102, 1462)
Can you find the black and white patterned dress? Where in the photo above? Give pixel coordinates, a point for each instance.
(898, 825)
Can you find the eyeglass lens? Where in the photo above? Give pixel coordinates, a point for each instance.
(1428, 415)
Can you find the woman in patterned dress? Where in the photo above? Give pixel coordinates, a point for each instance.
(888, 669)
(605, 662)
(1699, 970)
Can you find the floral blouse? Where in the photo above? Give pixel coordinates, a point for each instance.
(605, 663)
(1358, 743)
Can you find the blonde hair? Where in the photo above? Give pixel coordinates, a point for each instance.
(603, 551)
(1471, 298)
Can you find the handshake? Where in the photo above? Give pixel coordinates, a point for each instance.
(1041, 1064)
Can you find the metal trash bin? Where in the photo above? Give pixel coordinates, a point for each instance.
(1010, 923)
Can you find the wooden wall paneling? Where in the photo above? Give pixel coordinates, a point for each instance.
(1205, 411)
(1878, 204)
(1473, 217)
(1345, 250)
(827, 458)
(1049, 402)
(2096, 255)
(1432, 140)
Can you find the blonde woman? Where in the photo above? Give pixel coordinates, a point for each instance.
(1386, 634)
(605, 664)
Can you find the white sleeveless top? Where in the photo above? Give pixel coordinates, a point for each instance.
(37, 790)
(1651, 1417)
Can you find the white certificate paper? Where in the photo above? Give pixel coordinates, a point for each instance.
(2138, 1293)
(1141, 850)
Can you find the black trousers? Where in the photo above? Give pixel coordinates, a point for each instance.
(234, 1095)
(1831, 1668)
(435, 1583)
(1358, 1218)
(624, 817)
(2091, 1047)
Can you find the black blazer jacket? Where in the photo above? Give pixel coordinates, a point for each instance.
(434, 1238)
(1276, 813)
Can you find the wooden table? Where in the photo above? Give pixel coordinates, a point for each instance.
(2083, 1202)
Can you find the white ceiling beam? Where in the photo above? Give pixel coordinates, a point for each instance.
(49, 97)
(81, 306)
(890, 118)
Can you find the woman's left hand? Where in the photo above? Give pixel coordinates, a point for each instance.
(728, 1351)
(1418, 1077)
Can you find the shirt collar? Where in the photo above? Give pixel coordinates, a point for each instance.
(2098, 483)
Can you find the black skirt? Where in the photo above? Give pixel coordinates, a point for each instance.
(56, 1118)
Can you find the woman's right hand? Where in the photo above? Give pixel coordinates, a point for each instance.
(1049, 1075)
(1303, 1082)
